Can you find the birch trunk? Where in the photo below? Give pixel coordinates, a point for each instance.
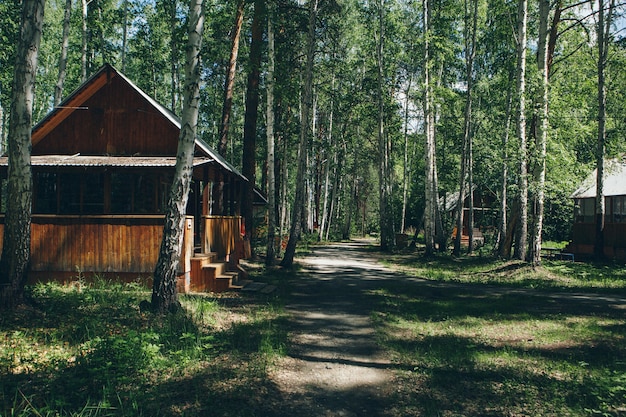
(405, 170)
(294, 233)
(271, 178)
(15, 259)
(387, 235)
(250, 122)
(603, 32)
(173, 56)
(229, 83)
(522, 23)
(65, 40)
(539, 176)
(83, 51)
(470, 50)
(164, 294)
(429, 150)
(503, 221)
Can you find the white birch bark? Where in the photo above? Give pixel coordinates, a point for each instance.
(542, 130)
(271, 180)
(15, 258)
(522, 24)
(164, 294)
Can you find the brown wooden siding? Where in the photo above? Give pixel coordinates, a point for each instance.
(114, 121)
(583, 239)
(99, 244)
(222, 234)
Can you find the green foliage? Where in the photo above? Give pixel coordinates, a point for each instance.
(87, 350)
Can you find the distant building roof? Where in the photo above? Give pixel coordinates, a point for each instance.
(614, 181)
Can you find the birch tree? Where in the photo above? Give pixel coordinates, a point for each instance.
(387, 238)
(164, 294)
(271, 177)
(15, 259)
(603, 31)
(307, 103)
(65, 40)
(429, 130)
(250, 122)
(471, 23)
(539, 176)
(522, 26)
(229, 83)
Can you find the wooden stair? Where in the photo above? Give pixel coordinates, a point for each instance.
(210, 275)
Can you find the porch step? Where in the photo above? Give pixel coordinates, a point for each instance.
(208, 275)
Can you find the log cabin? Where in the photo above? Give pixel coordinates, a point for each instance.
(584, 227)
(103, 162)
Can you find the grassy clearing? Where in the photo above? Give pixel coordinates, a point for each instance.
(89, 351)
(553, 274)
(463, 348)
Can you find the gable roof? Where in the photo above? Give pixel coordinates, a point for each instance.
(614, 181)
(77, 99)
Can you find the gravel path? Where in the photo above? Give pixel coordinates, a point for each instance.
(334, 367)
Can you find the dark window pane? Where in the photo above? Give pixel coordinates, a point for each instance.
(69, 185)
(45, 197)
(145, 194)
(93, 194)
(121, 193)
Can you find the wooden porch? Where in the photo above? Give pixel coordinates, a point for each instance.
(66, 248)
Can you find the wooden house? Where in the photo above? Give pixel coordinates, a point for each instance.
(584, 228)
(485, 216)
(103, 162)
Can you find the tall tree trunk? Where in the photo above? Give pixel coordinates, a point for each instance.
(605, 18)
(164, 295)
(15, 259)
(522, 24)
(125, 34)
(405, 169)
(470, 52)
(173, 56)
(429, 150)
(250, 121)
(387, 235)
(229, 83)
(83, 51)
(539, 176)
(65, 40)
(271, 177)
(330, 150)
(294, 233)
(503, 221)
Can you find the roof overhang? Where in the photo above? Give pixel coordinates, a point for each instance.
(614, 181)
(107, 161)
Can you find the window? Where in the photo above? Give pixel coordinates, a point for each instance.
(585, 210)
(92, 194)
(69, 193)
(145, 194)
(619, 209)
(45, 193)
(121, 193)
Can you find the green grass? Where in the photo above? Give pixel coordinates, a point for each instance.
(458, 347)
(553, 274)
(465, 348)
(89, 351)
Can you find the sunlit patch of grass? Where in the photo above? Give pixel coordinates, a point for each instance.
(464, 352)
(552, 274)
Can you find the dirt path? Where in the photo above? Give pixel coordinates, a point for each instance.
(334, 367)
